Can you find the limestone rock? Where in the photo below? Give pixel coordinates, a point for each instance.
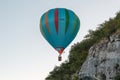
(103, 61)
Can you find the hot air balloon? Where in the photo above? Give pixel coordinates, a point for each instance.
(59, 27)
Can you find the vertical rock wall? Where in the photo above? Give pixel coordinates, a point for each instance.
(103, 61)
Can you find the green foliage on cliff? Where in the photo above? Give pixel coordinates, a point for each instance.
(117, 77)
(79, 51)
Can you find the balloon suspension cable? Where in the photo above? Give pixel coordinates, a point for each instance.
(59, 58)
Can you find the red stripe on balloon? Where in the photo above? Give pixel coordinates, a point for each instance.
(60, 51)
(46, 22)
(56, 19)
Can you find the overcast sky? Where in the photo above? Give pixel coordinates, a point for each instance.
(24, 53)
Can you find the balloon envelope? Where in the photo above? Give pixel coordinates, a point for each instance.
(59, 27)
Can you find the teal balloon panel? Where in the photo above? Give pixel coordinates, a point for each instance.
(59, 27)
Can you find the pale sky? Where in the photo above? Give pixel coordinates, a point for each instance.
(24, 53)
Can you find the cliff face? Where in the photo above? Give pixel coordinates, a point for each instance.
(103, 61)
